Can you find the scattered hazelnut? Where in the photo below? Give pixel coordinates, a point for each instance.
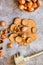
(1, 48)
(7, 31)
(2, 32)
(9, 45)
(3, 36)
(3, 23)
(1, 53)
(1, 41)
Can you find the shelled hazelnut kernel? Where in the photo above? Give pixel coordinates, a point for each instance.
(29, 4)
(3, 36)
(18, 39)
(30, 9)
(21, 1)
(35, 5)
(3, 23)
(2, 32)
(40, 3)
(7, 31)
(34, 30)
(9, 45)
(1, 53)
(34, 0)
(21, 7)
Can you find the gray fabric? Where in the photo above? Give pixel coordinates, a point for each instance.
(8, 11)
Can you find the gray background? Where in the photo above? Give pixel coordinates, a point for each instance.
(8, 11)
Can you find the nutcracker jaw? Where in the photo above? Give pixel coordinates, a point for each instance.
(18, 59)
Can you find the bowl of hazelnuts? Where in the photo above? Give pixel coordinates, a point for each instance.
(29, 5)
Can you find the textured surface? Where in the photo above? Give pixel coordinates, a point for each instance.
(8, 11)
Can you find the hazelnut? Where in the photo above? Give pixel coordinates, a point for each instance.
(29, 40)
(2, 31)
(3, 36)
(25, 43)
(31, 23)
(34, 30)
(21, 1)
(29, 4)
(31, 9)
(7, 31)
(24, 35)
(3, 23)
(17, 21)
(12, 27)
(39, 2)
(12, 37)
(24, 29)
(25, 22)
(21, 7)
(34, 0)
(1, 53)
(18, 39)
(35, 5)
(1, 41)
(9, 45)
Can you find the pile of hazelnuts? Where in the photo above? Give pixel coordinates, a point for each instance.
(29, 5)
(24, 31)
